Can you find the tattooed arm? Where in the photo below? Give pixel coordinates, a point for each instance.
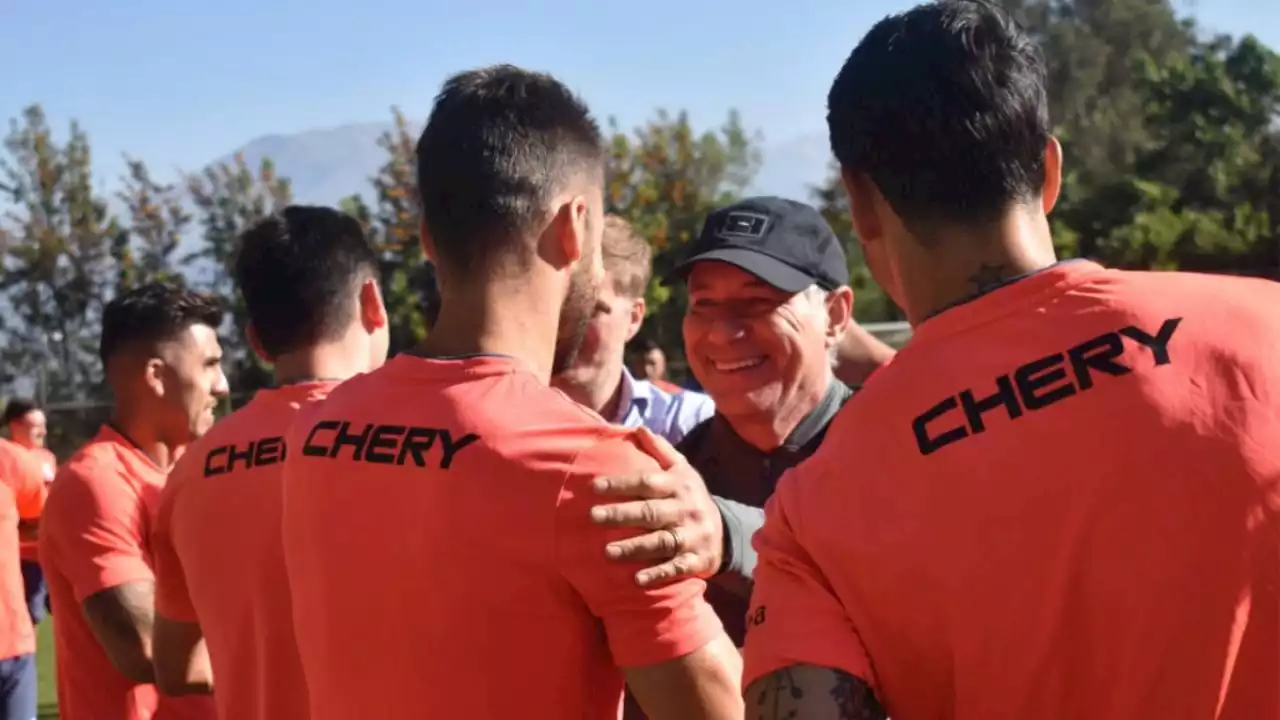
(122, 619)
(806, 692)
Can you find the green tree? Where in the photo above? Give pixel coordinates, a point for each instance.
(229, 198)
(157, 223)
(57, 265)
(665, 178)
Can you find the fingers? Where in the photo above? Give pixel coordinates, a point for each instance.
(644, 514)
(681, 566)
(654, 485)
(659, 545)
(658, 448)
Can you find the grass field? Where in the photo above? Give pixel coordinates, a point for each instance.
(44, 659)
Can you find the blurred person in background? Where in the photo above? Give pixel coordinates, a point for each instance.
(598, 377)
(30, 465)
(28, 427)
(650, 363)
(160, 352)
(309, 278)
(1061, 499)
(18, 674)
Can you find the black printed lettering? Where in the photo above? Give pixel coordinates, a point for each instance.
(930, 443)
(756, 617)
(1158, 344)
(1099, 355)
(1004, 396)
(1037, 384)
(255, 453)
(385, 444)
(1043, 382)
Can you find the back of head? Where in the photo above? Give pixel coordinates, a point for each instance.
(15, 410)
(500, 144)
(299, 272)
(152, 314)
(628, 259)
(943, 108)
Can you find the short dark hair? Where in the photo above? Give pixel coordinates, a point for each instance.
(16, 408)
(296, 270)
(430, 296)
(944, 108)
(500, 143)
(154, 313)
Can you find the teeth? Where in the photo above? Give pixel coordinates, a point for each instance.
(739, 365)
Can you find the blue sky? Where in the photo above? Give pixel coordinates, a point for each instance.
(179, 83)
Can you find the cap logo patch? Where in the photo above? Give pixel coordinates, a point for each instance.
(744, 224)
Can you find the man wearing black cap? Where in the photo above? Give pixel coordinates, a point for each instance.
(769, 301)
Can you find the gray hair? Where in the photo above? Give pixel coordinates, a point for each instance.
(818, 296)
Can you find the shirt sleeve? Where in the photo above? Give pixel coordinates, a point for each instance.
(173, 601)
(93, 526)
(645, 626)
(795, 616)
(740, 522)
(30, 490)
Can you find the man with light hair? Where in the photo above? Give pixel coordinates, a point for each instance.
(598, 378)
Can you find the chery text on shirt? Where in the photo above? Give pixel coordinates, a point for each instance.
(93, 536)
(220, 560)
(440, 550)
(1065, 506)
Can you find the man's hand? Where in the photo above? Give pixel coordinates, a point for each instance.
(688, 532)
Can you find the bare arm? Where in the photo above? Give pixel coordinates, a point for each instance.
(122, 619)
(806, 692)
(703, 684)
(181, 660)
(859, 354)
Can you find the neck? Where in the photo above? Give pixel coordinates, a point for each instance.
(599, 394)
(336, 361)
(767, 431)
(497, 318)
(960, 265)
(138, 426)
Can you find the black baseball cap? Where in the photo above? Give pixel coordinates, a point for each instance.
(785, 243)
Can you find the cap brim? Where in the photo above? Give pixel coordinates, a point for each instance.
(768, 269)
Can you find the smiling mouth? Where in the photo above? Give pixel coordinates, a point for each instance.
(737, 365)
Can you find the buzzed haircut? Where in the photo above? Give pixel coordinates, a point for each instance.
(501, 142)
(944, 108)
(297, 271)
(628, 258)
(16, 408)
(154, 313)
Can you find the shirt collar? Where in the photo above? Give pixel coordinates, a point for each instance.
(634, 394)
(811, 426)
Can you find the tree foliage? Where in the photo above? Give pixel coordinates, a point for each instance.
(1172, 155)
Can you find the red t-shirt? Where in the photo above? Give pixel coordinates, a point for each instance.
(1061, 500)
(17, 637)
(220, 560)
(439, 545)
(94, 536)
(22, 469)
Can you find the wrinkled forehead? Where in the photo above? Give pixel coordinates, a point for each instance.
(723, 279)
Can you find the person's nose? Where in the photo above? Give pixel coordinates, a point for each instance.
(221, 388)
(726, 329)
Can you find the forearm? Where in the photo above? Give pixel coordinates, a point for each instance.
(813, 693)
(739, 565)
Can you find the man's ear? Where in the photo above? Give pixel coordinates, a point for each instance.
(1052, 175)
(564, 241)
(427, 243)
(839, 314)
(373, 312)
(255, 343)
(153, 375)
(636, 321)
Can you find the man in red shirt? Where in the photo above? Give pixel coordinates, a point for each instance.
(437, 522)
(31, 469)
(1061, 498)
(309, 278)
(160, 349)
(17, 634)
